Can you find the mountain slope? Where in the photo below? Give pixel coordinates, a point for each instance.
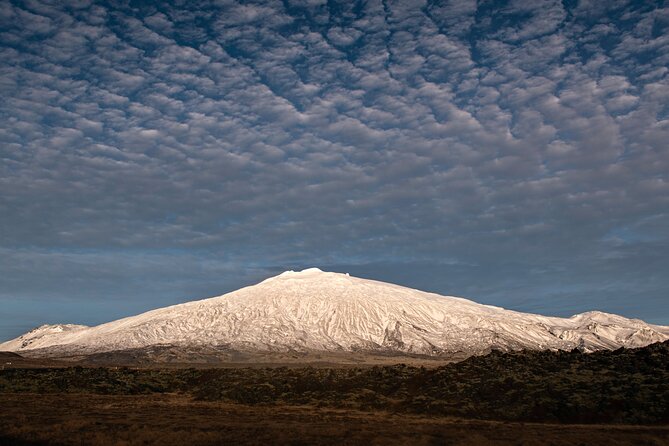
(316, 310)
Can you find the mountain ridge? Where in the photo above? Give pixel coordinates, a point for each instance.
(313, 310)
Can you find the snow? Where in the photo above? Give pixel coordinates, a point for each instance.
(317, 310)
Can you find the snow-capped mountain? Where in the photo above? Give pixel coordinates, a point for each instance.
(324, 311)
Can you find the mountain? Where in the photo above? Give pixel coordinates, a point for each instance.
(314, 310)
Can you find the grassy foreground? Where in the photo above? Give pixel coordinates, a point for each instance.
(84, 405)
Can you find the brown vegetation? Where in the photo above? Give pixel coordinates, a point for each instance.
(169, 419)
(400, 403)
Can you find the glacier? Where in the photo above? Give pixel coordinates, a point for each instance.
(313, 310)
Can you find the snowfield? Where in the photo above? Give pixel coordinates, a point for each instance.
(316, 310)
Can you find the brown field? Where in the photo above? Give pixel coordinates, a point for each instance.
(172, 419)
(517, 398)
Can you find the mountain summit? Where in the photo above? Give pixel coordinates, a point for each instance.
(312, 310)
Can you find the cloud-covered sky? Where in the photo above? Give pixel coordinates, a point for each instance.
(512, 152)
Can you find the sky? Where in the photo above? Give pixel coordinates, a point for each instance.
(512, 152)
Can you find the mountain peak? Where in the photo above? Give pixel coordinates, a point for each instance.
(313, 310)
(303, 272)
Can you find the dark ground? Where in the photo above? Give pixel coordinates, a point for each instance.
(607, 398)
(168, 419)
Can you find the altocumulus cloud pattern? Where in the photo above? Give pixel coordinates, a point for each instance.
(514, 152)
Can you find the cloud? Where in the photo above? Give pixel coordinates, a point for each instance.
(281, 134)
